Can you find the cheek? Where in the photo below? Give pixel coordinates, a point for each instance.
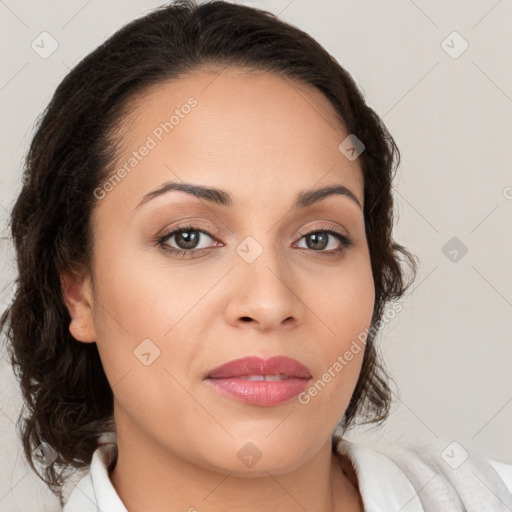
(347, 302)
(145, 308)
(142, 295)
(347, 317)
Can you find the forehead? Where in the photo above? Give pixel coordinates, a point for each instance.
(247, 130)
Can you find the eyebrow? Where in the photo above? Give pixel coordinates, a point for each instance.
(215, 195)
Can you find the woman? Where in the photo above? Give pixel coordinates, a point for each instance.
(205, 252)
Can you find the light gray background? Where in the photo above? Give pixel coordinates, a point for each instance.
(449, 349)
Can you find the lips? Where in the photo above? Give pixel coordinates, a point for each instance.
(282, 366)
(257, 381)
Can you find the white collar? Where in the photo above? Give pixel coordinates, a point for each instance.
(383, 485)
(95, 492)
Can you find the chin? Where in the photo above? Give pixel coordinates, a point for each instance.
(255, 457)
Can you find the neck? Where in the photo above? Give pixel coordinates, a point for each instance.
(326, 482)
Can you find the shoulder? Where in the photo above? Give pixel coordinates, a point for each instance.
(504, 470)
(94, 491)
(436, 476)
(82, 496)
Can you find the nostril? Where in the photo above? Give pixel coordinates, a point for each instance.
(246, 319)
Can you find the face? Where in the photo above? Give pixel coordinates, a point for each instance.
(243, 277)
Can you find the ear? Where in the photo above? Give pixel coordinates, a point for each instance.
(77, 294)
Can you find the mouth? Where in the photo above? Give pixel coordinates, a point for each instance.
(253, 368)
(257, 381)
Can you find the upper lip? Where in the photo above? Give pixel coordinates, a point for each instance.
(254, 365)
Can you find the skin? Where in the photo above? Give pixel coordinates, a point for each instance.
(263, 139)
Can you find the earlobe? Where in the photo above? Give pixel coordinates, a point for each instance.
(77, 295)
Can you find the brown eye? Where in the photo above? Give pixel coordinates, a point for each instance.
(185, 240)
(319, 240)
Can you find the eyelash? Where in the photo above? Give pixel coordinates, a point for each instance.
(346, 242)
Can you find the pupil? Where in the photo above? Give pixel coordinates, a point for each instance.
(187, 239)
(319, 241)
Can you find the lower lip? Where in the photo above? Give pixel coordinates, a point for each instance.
(259, 392)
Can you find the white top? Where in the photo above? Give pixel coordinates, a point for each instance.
(424, 478)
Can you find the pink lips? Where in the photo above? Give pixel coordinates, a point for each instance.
(232, 379)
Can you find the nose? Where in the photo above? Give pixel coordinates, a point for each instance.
(264, 295)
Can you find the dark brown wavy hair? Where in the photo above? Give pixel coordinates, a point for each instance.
(67, 400)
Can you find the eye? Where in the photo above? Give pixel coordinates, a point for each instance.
(187, 238)
(318, 240)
